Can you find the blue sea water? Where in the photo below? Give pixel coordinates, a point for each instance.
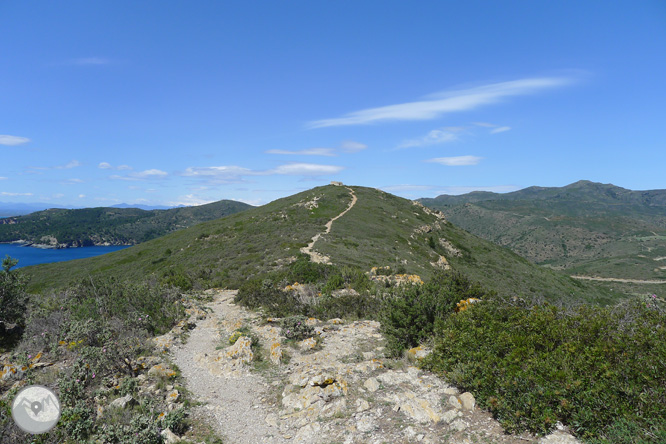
(33, 256)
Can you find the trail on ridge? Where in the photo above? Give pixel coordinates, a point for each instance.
(630, 281)
(320, 258)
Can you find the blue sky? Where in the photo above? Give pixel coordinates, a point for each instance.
(191, 102)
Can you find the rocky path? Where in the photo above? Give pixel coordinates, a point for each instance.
(336, 389)
(629, 281)
(320, 258)
(233, 395)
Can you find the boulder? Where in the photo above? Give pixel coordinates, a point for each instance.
(467, 400)
(241, 351)
(124, 402)
(169, 437)
(372, 384)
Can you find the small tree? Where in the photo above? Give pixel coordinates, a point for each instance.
(12, 293)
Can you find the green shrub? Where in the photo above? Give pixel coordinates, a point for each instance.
(12, 293)
(335, 282)
(350, 306)
(294, 327)
(178, 279)
(408, 316)
(257, 292)
(588, 367)
(306, 272)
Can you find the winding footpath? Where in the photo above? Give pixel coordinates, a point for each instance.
(232, 397)
(320, 258)
(629, 281)
(336, 390)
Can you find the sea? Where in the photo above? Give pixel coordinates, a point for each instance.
(33, 256)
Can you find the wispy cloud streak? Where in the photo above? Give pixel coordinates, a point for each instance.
(6, 139)
(456, 161)
(444, 102)
(306, 152)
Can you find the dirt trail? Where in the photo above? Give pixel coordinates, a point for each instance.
(337, 389)
(233, 396)
(320, 258)
(628, 281)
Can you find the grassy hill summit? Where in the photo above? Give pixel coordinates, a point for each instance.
(585, 228)
(61, 228)
(379, 230)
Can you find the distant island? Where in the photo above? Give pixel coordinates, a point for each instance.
(103, 226)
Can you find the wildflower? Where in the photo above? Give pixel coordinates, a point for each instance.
(654, 296)
(29, 356)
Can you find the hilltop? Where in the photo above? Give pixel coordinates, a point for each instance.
(584, 228)
(63, 228)
(380, 230)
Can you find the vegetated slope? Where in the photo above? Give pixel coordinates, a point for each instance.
(585, 228)
(381, 229)
(100, 226)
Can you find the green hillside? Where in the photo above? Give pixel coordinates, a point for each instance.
(381, 229)
(117, 226)
(584, 228)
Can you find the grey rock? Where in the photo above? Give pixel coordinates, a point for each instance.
(124, 402)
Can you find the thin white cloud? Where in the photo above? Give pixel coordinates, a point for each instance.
(81, 196)
(69, 165)
(501, 129)
(142, 175)
(349, 146)
(485, 124)
(108, 166)
(149, 174)
(189, 200)
(3, 178)
(305, 169)
(5, 193)
(444, 102)
(219, 174)
(73, 181)
(236, 174)
(306, 152)
(58, 196)
(456, 161)
(434, 137)
(8, 140)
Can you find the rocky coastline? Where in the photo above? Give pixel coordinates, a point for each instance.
(52, 243)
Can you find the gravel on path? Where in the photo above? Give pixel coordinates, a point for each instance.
(233, 405)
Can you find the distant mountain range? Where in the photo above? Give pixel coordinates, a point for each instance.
(63, 228)
(380, 230)
(585, 228)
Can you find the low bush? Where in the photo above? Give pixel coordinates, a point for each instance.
(100, 327)
(409, 313)
(601, 371)
(295, 327)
